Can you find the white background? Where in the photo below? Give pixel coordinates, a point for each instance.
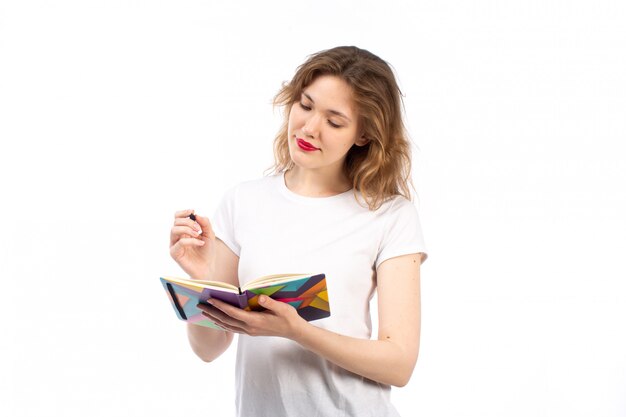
(115, 114)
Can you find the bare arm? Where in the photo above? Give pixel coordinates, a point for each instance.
(195, 248)
(208, 343)
(389, 360)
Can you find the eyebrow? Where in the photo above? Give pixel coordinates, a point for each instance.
(330, 111)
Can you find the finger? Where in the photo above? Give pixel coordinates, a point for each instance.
(227, 328)
(230, 311)
(185, 230)
(186, 242)
(273, 306)
(190, 241)
(205, 224)
(220, 317)
(183, 213)
(201, 224)
(223, 316)
(218, 322)
(186, 221)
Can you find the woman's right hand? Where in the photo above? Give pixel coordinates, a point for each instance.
(192, 244)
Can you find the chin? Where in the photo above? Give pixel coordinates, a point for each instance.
(303, 162)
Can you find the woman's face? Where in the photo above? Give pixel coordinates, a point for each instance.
(323, 125)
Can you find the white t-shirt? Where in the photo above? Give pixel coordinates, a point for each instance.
(273, 231)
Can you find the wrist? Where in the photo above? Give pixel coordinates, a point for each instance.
(203, 274)
(299, 330)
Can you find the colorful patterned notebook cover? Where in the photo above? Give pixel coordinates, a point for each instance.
(308, 295)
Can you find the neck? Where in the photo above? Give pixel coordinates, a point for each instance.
(312, 183)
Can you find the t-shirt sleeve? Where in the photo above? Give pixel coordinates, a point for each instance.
(223, 221)
(402, 234)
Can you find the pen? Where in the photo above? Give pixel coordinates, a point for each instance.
(192, 217)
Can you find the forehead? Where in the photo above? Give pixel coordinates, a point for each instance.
(331, 92)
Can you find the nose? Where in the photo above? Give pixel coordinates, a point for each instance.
(311, 125)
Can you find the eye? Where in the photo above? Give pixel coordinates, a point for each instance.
(306, 108)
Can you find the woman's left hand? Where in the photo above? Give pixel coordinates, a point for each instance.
(280, 319)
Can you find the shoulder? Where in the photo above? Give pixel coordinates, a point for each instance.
(399, 215)
(391, 209)
(402, 230)
(397, 205)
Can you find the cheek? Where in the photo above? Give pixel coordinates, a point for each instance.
(347, 139)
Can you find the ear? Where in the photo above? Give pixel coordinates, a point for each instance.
(362, 141)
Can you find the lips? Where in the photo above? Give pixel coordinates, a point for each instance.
(305, 145)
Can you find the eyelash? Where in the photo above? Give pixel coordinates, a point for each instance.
(305, 108)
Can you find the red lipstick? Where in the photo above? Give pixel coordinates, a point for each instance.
(305, 146)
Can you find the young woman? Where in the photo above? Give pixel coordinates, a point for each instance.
(337, 203)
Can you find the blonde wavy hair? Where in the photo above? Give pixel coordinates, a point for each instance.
(381, 168)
